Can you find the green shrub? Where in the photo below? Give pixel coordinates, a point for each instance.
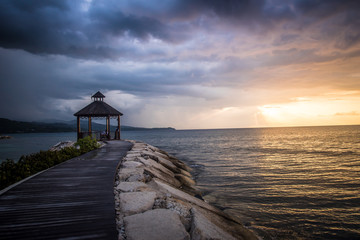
(12, 172)
(87, 144)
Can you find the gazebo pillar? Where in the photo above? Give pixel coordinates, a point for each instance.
(118, 133)
(108, 126)
(78, 127)
(89, 126)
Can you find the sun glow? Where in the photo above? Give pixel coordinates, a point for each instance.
(304, 111)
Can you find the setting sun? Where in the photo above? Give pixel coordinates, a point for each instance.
(339, 109)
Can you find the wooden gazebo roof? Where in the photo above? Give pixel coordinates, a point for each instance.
(98, 108)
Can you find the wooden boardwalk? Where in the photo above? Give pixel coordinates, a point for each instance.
(73, 200)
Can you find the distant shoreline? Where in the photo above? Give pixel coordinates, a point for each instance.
(10, 126)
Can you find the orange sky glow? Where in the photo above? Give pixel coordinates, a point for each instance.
(184, 64)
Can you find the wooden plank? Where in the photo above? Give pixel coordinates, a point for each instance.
(73, 200)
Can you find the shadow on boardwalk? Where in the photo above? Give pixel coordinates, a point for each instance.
(73, 200)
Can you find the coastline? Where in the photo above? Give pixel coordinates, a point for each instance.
(155, 198)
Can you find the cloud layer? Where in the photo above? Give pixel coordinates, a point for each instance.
(95, 29)
(164, 59)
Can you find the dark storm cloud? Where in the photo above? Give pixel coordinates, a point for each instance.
(245, 10)
(341, 20)
(38, 28)
(325, 8)
(294, 15)
(29, 6)
(62, 27)
(111, 20)
(273, 9)
(25, 91)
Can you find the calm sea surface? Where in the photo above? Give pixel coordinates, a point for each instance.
(27, 143)
(284, 183)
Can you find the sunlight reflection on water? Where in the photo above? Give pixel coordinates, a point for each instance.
(286, 183)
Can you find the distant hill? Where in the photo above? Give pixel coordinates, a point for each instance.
(11, 126)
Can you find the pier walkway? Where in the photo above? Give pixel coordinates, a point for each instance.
(73, 200)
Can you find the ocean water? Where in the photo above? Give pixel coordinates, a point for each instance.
(284, 183)
(27, 143)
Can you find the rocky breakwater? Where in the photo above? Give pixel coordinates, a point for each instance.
(156, 199)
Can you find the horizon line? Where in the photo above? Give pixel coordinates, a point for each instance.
(304, 126)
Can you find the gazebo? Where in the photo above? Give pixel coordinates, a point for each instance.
(98, 109)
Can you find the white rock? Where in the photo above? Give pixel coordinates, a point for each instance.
(185, 180)
(58, 146)
(136, 177)
(182, 209)
(202, 228)
(132, 154)
(129, 158)
(151, 163)
(184, 196)
(131, 174)
(136, 202)
(131, 186)
(166, 163)
(150, 154)
(208, 225)
(157, 224)
(160, 154)
(131, 164)
(179, 164)
(186, 173)
(164, 177)
(135, 152)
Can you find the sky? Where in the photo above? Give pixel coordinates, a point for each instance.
(188, 64)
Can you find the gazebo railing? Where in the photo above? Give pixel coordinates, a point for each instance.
(94, 134)
(98, 135)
